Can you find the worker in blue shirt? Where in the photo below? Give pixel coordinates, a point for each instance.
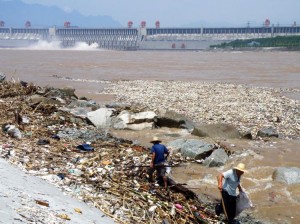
(158, 159)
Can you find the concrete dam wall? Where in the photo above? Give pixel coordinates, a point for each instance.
(141, 38)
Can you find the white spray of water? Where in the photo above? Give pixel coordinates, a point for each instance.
(56, 45)
(45, 45)
(82, 46)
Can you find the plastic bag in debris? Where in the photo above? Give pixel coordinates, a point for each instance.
(243, 202)
(13, 131)
(85, 147)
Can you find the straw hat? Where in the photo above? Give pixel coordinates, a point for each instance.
(155, 139)
(241, 167)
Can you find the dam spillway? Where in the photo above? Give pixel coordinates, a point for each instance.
(141, 38)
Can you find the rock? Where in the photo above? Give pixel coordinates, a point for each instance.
(134, 121)
(195, 149)
(141, 126)
(267, 132)
(287, 175)
(2, 77)
(78, 111)
(62, 101)
(217, 158)
(247, 135)
(118, 106)
(83, 135)
(13, 131)
(36, 99)
(175, 145)
(216, 130)
(65, 93)
(101, 118)
(172, 119)
(83, 103)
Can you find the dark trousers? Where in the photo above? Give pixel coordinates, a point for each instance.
(160, 171)
(230, 206)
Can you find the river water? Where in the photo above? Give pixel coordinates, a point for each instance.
(278, 69)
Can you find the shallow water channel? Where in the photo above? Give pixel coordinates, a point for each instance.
(271, 199)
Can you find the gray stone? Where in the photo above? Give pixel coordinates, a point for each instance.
(247, 135)
(83, 103)
(65, 93)
(2, 77)
(78, 111)
(101, 118)
(218, 158)
(172, 119)
(141, 126)
(134, 121)
(176, 145)
(193, 148)
(13, 131)
(36, 99)
(118, 106)
(216, 131)
(287, 175)
(267, 132)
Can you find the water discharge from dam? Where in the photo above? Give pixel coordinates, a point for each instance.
(56, 45)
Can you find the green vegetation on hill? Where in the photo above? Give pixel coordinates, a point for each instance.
(280, 41)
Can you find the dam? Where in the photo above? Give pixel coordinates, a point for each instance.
(141, 38)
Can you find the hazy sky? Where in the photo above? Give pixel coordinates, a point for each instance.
(172, 13)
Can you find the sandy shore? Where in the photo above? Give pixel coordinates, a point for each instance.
(20, 191)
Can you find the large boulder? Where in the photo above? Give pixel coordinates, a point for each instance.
(135, 121)
(176, 145)
(172, 119)
(216, 131)
(80, 108)
(101, 118)
(287, 175)
(267, 132)
(218, 158)
(193, 148)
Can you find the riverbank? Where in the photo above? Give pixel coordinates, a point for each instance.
(27, 199)
(50, 143)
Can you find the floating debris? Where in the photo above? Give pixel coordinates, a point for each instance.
(247, 108)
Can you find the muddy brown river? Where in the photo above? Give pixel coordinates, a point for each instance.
(274, 202)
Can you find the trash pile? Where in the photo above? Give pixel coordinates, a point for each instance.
(99, 169)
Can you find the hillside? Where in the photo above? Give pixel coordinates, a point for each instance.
(292, 42)
(15, 13)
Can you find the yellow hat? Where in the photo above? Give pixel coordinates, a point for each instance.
(155, 139)
(241, 167)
